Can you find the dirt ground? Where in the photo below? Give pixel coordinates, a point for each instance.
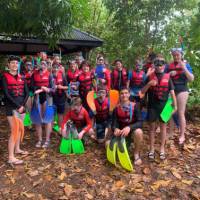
(47, 174)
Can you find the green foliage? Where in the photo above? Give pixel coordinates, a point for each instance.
(47, 19)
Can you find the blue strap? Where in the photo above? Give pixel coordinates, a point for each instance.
(69, 89)
(108, 103)
(131, 112)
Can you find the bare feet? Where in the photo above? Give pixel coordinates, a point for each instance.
(181, 140)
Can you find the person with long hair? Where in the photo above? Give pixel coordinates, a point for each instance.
(181, 73)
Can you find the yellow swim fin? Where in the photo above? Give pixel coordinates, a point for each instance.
(123, 155)
(111, 151)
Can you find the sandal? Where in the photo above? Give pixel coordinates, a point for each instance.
(15, 162)
(22, 152)
(151, 155)
(38, 144)
(162, 156)
(46, 144)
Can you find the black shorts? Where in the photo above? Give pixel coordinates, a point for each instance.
(42, 97)
(100, 129)
(60, 108)
(153, 113)
(9, 110)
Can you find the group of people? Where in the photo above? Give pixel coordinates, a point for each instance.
(145, 86)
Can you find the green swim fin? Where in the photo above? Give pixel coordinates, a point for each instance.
(56, 128)
(27, 119)
(111, 151)
(123, 155)
(167, 111)
(66, 145)
(77, 144)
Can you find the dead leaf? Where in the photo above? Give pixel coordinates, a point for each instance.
(48, 177)
(139, 190)
(160, 183)
(68, 189)
(90, 181)
(176, 174)
(89, 196)
(33, 173)
(195, 195)
(63, 198)
(187, 182)
(12, 180)
(37, 182)
(62, 176)
(119, 184)
(28, 195)
(146, 171)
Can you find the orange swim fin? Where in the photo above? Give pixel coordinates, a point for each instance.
(114, 99)
(90, 101)
(15, 128)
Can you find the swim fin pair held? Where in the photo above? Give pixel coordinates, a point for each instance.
(18, 127)
(118, 145)
(72, 144)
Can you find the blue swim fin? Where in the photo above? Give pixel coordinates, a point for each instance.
(48, 115)
(35, 114)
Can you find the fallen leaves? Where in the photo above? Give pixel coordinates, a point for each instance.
(160, 183)
(146, 171)
(28, 195)
(175, 173)
(62, 176)
(118, 185)
(68, 189)
(187, 182)
(33, 173)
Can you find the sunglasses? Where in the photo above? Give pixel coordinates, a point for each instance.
(177, 49)
(159, 62)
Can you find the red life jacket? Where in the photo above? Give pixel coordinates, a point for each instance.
(137, 78)
(79, 119)
(59, 81)
(15, 84)
(72, 76)
(147, 66)
(41, 78)
(161, 90)
(85, 80)
(179, 78)
(125, 118)
(28, 76)
(102, 110)
(115, 79)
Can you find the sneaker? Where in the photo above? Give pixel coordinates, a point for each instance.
(38, 144)
(46, 144)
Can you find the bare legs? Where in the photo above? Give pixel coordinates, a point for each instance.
(14, 143)
(163, 128)
(48, 129)
(138, 139)
(182, 98)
